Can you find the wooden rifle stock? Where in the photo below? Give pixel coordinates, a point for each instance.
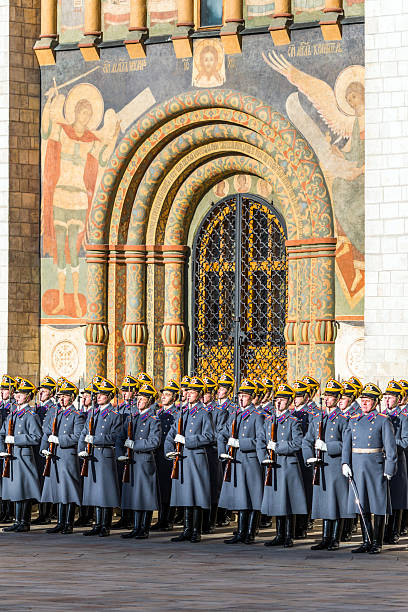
(51, 448)
(319, 453)
(7, 460)
(126, 471)
(179, 448)
(84, 471)
(272, 453)
(232, 450)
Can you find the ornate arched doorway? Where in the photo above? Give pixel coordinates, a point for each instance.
(239, 290)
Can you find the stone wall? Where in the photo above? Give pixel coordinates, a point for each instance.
(4, 178)
(386, 313)
(24, 190)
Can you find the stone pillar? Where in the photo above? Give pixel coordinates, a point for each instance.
(174, 330)
(330, 24)
(138, 31)
(182, 43)
(233, 25)
(311, 328)
(135, 328)
(96, 333)
(44, 48)
(92, 31)
(282, 19)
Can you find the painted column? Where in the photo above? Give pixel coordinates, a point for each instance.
(92, 31)
(138, 31)
(96, 333)
(283, 8)
(311, 329)
(333, 5)
(233, 25)
(135, 328)
(116, 299)
(44, 47)
(174, 330)
(330, 23)
(282, 19)
(182, 43)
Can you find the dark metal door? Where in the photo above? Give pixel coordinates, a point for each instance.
(240, 290)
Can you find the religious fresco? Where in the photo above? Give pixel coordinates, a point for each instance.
(71, 14)
(88, 110)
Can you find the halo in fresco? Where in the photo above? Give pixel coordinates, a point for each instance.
(209, 63)
(85, 91)
(351, 74)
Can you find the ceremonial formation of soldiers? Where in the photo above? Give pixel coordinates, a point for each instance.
(196, 454)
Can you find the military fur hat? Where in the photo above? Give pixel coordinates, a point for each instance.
(142, 377)
(185, 381)
(106, 386)
(357, 383)
(349, 389)
(48, 383)
(196, 383)
(26, 386)
(312, 382)
(268, 383)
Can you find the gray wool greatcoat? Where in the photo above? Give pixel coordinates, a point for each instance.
(167, 417)
(192, 488)
(373, 432)
(219, 416)
(245, 490)
(399, 482)
(286, 495)
(63, 485)
(141, 492)
(101, 486)
(24, 481)
(330, 497)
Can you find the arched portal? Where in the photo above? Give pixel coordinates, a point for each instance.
(140, 220)
(239, 290)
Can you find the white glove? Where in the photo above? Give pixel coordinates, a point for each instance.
(4, 454)
(89, 439)
(180, 438)
(387, 476)
(83, 454)
(45, 452)
(312, 460)
(271, 445)
(320, 445)
(122, 458)
(172, 455)
(346, 469)
(53, 439)
(9, 440)
(233, 442)
(225, 456)
(267, 461)
(129, 443)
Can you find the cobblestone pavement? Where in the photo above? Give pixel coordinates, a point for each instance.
(59, 573)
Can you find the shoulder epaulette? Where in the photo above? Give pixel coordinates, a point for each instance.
(31, 411)
(154, 417)
(293, 418)
(383, 415)
(343, 415)
(355, 416)
(114, 411)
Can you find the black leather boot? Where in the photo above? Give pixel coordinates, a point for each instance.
(252, 526)
(188, 526)
(378, 535)
(7, 513)
(367, 535)
(62, 512)
(84, 517)
(161, 519)
(347, 529)
(125, 521)
(289, 531)
(96, 529)
(107, 514)
(24, 525)
(326, 536)
(44, 514)
(69, 519)
(197, 525)
(18, 517)
(223, 518)
(393, 527)
(336, 534)
(137, 521)
(145, 525)
(301, 526)
(266, 521)
(242, 529)
(404, 523)
(279, 539)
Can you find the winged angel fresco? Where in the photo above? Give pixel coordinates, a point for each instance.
(340, 150)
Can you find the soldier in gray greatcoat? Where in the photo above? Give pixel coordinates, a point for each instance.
(22, 431)
(243, 492)
(61, 432)
(141, 494)
(324, 454)
(219, 417)
(393, 396)
(370, 456)
(167, 415)
(97, 443)
(284, 494)
(7, 404)
(191, 489)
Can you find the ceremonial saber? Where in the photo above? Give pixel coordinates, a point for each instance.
(357, 500)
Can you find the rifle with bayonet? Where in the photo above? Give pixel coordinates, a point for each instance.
(272, 453)
(179, 447)
(232, 451)
(319, 453)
